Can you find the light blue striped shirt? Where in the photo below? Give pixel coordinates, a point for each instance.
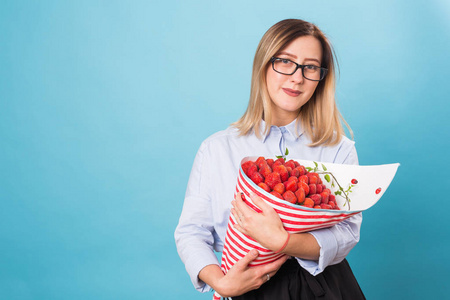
(212, 182)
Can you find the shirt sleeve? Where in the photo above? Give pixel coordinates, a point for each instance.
(337, 241)
(194, 235)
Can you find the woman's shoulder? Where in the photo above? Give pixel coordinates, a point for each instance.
(346, 142)
(220, 137)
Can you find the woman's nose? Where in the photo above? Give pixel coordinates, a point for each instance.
(297, 76)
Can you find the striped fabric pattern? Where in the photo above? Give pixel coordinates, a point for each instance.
(295, 219)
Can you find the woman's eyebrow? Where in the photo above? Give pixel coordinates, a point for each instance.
(295, 56)
(287, 54)
(313, 59)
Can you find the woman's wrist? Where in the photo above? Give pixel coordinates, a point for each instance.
(280, 249)
(302, 245)
(277, 241)
(212, 275)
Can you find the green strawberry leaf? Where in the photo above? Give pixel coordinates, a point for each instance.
(287, 152)
(323, 167)
(327, 177)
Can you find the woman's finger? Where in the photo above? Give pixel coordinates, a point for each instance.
(240, 205)
(259, 202)
(273, 267)
(237, 215)
(248, 258)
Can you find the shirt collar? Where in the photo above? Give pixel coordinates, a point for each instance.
(294, 128)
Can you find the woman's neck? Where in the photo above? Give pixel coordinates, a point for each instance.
(283, 118)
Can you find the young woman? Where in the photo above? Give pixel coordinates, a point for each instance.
(292, 105)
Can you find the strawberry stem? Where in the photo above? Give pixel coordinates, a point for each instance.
(341, 189)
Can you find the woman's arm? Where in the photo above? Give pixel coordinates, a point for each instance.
(240, 278)
(195, 238)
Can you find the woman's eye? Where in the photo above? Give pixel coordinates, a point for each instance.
(285, 61)
(312, 68)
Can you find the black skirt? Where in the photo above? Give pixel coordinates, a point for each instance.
(292, 282)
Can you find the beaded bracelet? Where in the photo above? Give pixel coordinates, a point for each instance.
(284, 245)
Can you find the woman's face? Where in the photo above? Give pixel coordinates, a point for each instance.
(290, 92)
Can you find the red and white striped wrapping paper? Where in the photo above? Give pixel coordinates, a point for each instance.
(295, 219)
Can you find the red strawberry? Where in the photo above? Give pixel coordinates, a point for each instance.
(325, 197)
(325, 206)
(293, 178)
(279, 188)
(332, 198)
(257, 178)
(278, 162)
(296, 163)
(276, 194)
(354, 181)
(304, 178)
(295, 173)
(290, 197)
(312, 178)
(332, 204)
(290, 164)
(300, 194)
(264, 186)
(319, 188)
(281, 169)
(272, 179)
(304, 186)
(317, 207)
(301, 170)
(246, 165)
(290, 185)
(312, 188)
(265, 170)
(252, 169)
(316, 198)
(269, 161)
(308, 203)
(289, 170)
(260, 162)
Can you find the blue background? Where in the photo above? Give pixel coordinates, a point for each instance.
(103, 105)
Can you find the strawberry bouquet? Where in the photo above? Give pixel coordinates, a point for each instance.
(307, 195)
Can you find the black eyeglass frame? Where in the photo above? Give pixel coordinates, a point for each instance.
(323, 71)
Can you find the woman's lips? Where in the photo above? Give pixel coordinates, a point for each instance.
(292, 93)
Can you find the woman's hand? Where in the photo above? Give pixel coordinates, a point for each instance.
(265, 227)
(240, 278)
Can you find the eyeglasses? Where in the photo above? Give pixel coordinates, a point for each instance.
(288, 67)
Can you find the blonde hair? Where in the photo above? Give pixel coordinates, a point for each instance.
(319, 117)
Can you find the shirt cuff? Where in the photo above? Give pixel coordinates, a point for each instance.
(196, 264)
(328, 250)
